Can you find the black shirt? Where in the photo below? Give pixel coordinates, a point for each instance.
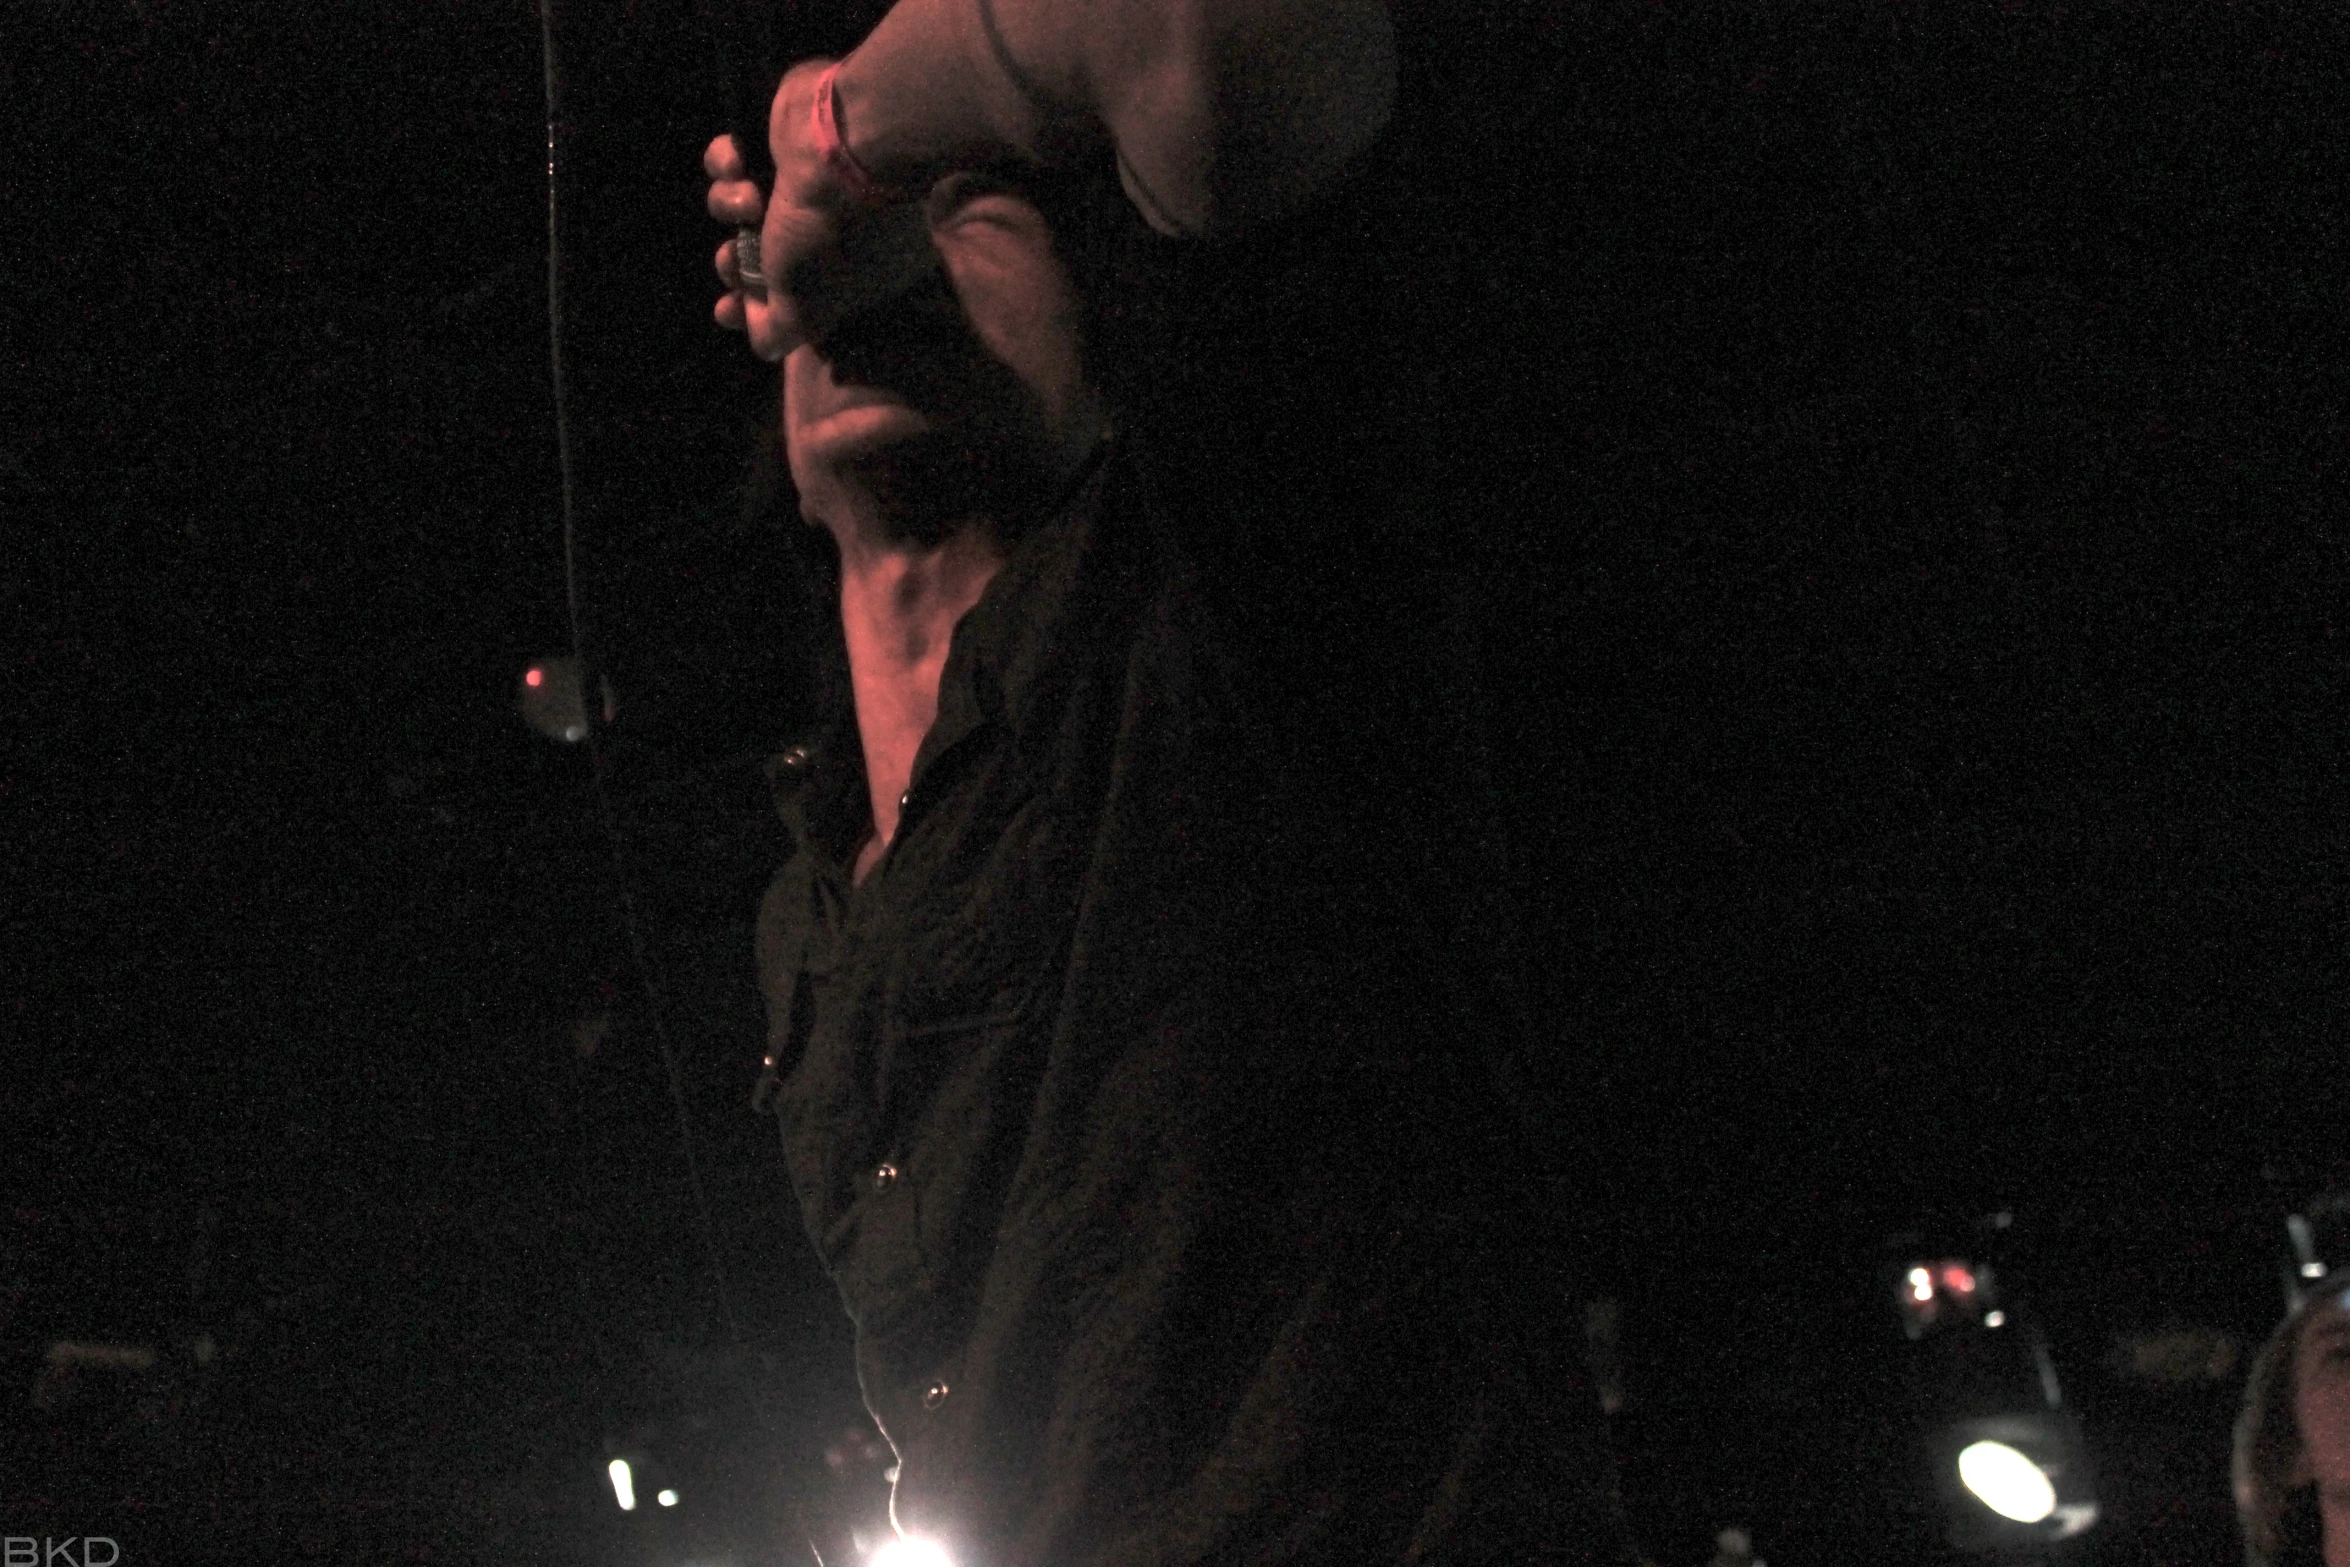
(1121, 1155)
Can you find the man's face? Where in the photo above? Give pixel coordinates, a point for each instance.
(2321, 1395)
(961, 396)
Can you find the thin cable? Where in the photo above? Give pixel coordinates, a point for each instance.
(639, 950)
(560, 375)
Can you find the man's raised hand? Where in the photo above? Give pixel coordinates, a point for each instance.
(734, 200)
(826, 250)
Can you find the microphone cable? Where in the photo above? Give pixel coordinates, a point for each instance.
(624, 880)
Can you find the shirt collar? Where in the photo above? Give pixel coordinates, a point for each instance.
(998, 663)
(1003, 648)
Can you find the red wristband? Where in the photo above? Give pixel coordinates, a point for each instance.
(854, 179)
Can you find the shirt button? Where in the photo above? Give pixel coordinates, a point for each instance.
(885, 1177)
(905, 799)
(934, 1395)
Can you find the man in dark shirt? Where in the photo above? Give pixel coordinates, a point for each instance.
(1103, 1034)
(1132, 1178)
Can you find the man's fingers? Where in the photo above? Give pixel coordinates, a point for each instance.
(768, 328)
(737, 202)
(734, 198)
(721, 161)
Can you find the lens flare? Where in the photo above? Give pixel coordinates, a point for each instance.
(910, 1551)
(2007, 1482)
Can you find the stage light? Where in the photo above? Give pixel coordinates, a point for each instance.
(2010, 1481)
(2000, 1455)
(552, 696)
(623, 1484)
(666, 1498)
(1944, 1295)
(2313, 1270)
(2007, 1482)
(910, 1550)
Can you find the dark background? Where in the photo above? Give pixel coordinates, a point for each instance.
(1913, 656)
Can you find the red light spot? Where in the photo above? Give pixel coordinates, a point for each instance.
(1958, 1280)
(535, 677)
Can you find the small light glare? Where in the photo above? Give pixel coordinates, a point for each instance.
(1995, 1319)
(1921, 1284)
(534, 677)
(665, 1498)
(2313, 1270)
(623, 1484)
(910, 1550)
(2007, 1482)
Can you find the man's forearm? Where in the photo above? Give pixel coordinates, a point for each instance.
(1223, 112)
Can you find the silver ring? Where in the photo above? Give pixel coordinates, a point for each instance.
(746, 261)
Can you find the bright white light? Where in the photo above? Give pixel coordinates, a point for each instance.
(665, 1498)
(1921, 1284)
(1995, 1319)
(2313, 1270)
(910, 1551)
(2007, 1482)
(623, 1484)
